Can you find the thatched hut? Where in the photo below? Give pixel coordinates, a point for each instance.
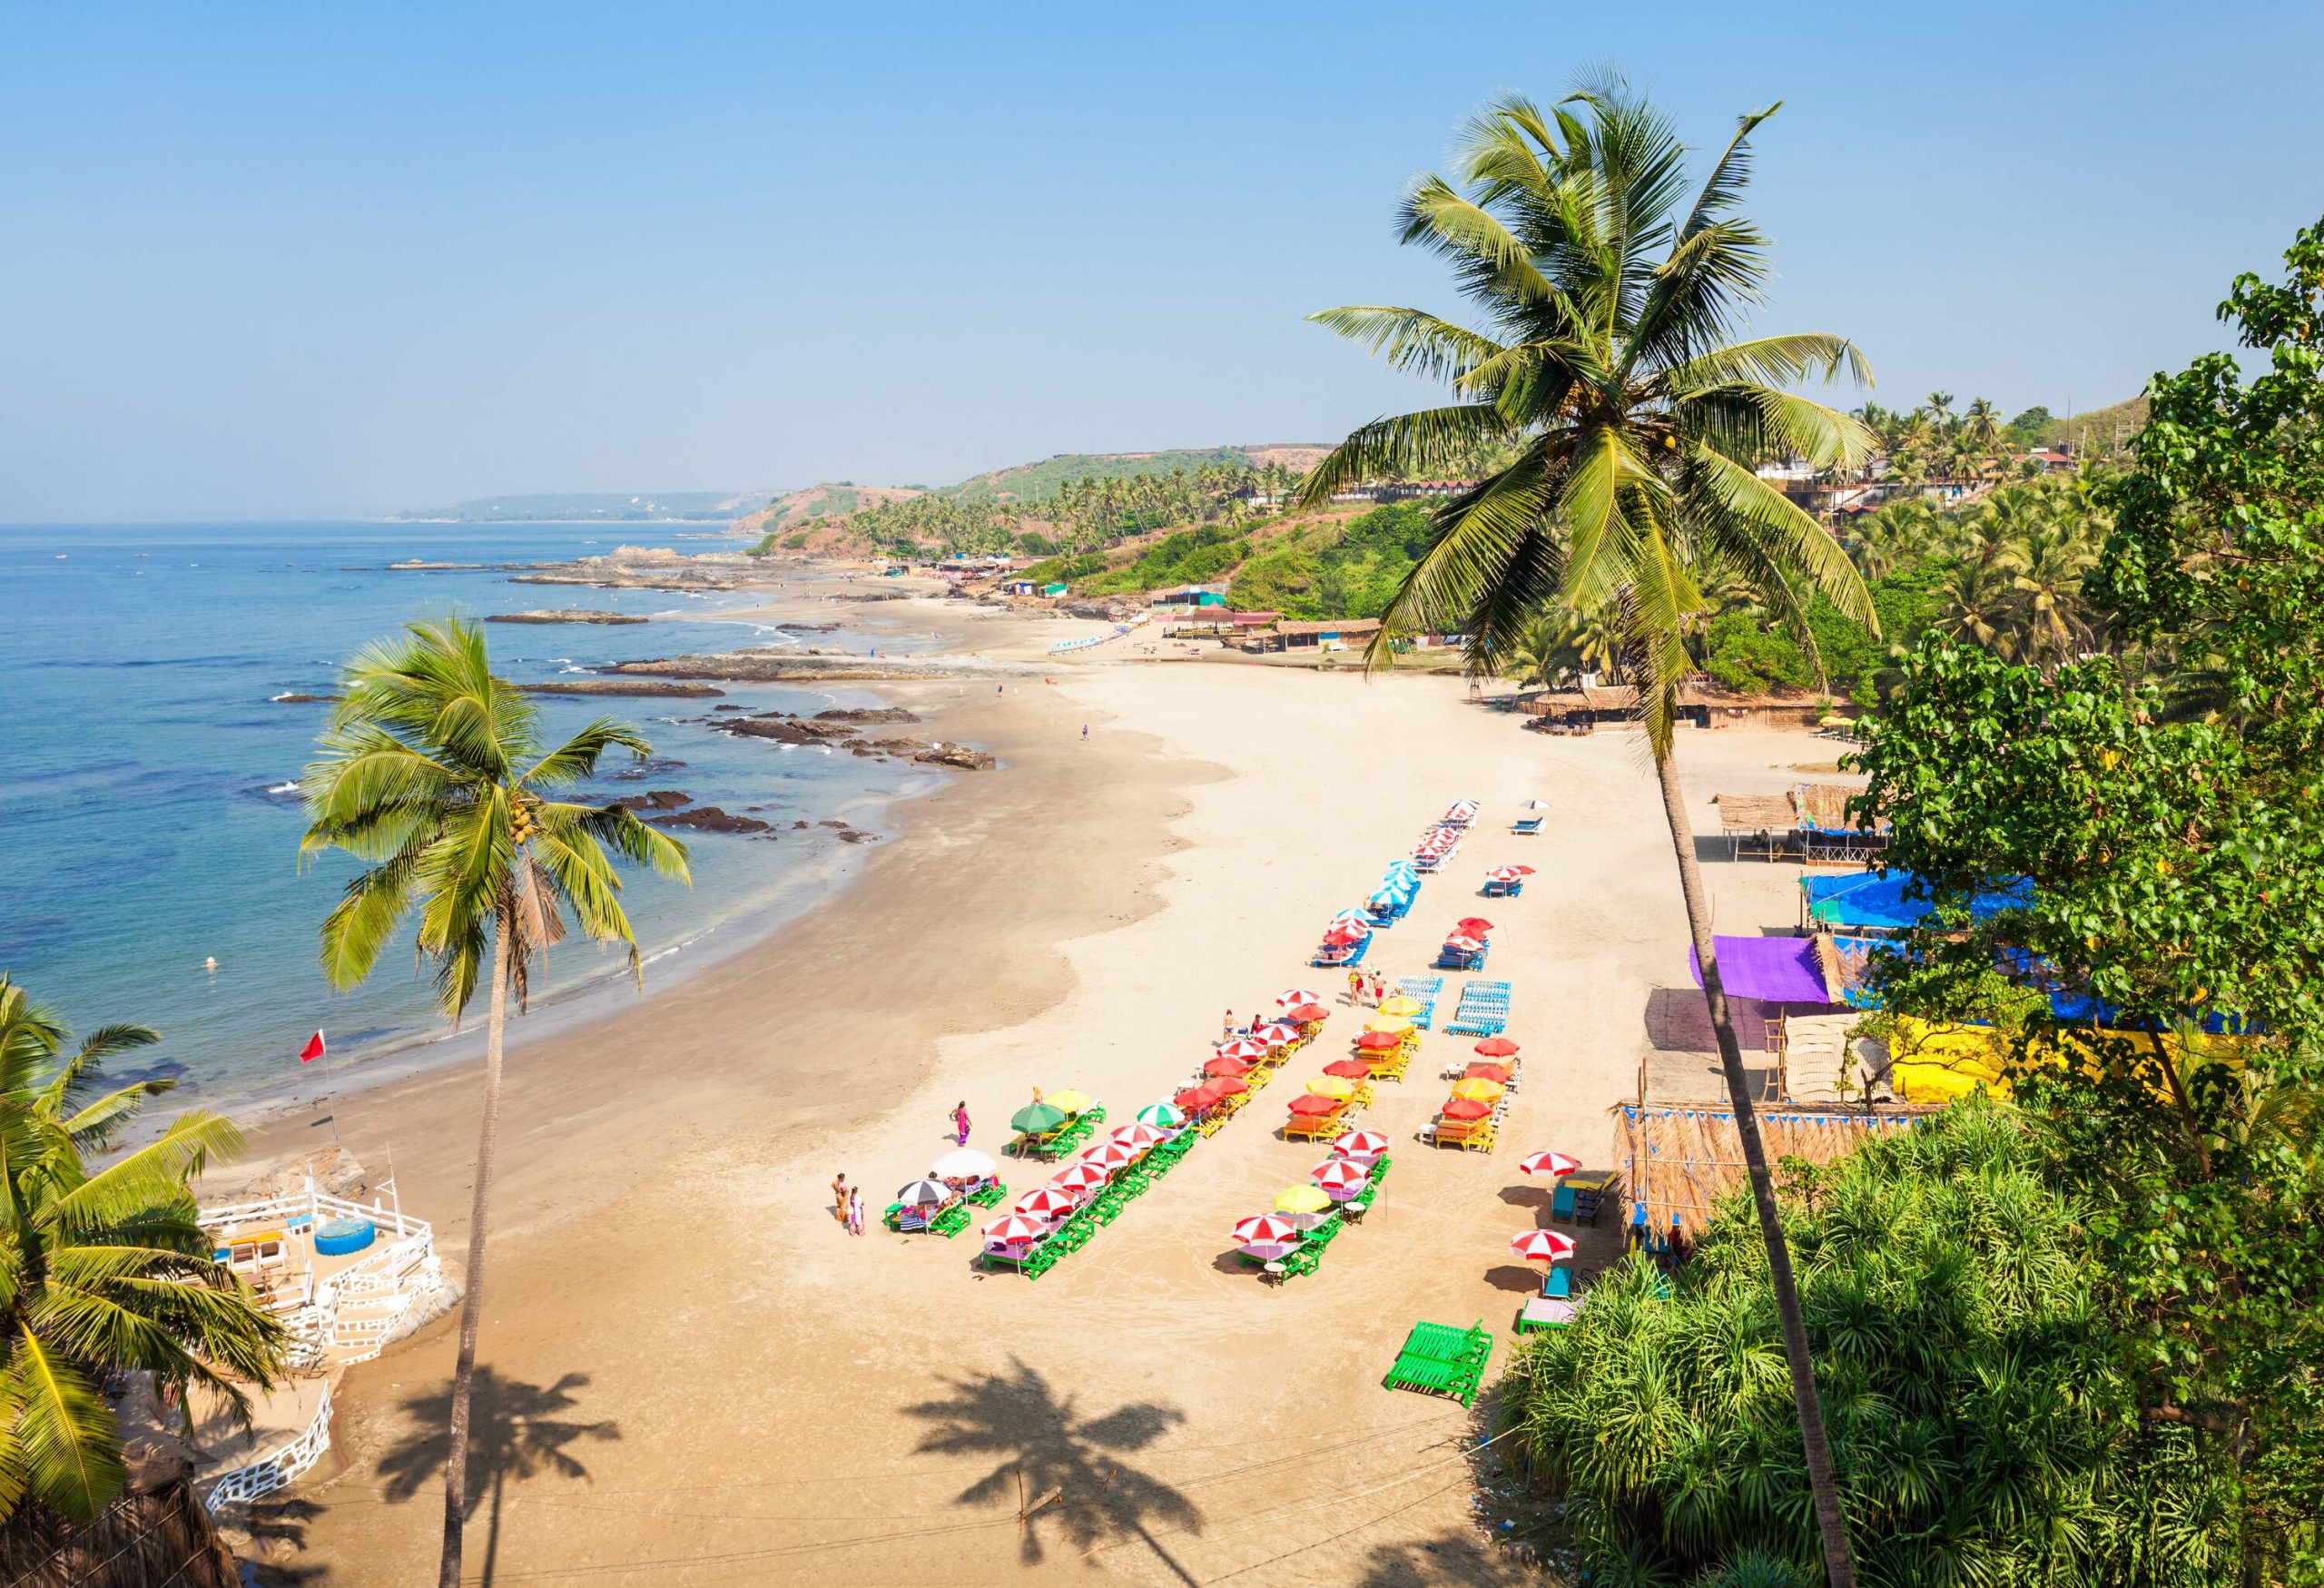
(1677, 1160)
(157, 1534)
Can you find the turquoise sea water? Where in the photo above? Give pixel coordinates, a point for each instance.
(146, 816)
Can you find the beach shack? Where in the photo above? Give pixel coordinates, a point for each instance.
(1330, 633)
(1675, 1160)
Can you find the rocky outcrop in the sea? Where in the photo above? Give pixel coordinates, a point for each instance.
(563, 614)
(657, 799)
(868, 713)
(639, 688)
(815, 666)
(786, 730)
(711, 818)
(649, 567)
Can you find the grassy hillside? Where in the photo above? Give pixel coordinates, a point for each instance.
(1028, 480)
(794, 512)
(1337, 562)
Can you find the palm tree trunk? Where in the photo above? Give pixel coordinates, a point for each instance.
(1839, 1565)
(456, 1449)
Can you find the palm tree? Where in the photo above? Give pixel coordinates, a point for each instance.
(2048, 568)
(1636, 425)
(102, 1274)
(433, 774)
(1979, 607)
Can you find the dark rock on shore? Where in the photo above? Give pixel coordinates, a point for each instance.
(711, 818)
(659, 799)
(635, 688)
(786, 730)
(652, 767)
(563, 615)
(294, 697)
(960, 756)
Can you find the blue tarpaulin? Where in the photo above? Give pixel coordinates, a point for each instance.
(1876, 901)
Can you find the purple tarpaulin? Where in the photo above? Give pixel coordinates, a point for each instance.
(1773, 969)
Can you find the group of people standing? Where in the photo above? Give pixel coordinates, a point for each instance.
(1366, 987)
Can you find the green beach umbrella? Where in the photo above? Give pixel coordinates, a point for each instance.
(1161, 1116)
(1037, 1118)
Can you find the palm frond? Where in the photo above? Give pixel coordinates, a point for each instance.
(1412, 443)
(1412, 339)
(63, 1433)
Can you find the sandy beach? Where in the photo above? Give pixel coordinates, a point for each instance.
(695, 1376)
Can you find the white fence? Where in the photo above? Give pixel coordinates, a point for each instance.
(270, 1471)
(1087, 640)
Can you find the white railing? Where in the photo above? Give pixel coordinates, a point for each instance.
(401, 1269)
(261, 1477)
(1087, 640)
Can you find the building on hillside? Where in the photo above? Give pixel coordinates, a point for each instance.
(1220, 623)
(1190, 596)
(2049, 460)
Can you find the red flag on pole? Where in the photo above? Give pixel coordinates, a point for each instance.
(312, 1050)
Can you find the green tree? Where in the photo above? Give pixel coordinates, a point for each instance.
(2176, 859)
(102, 1272)
(1634, 425)
(1987, 1429)
(431, 773)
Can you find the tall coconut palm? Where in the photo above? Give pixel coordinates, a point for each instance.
(102, 1272)
(431, 773)
(1636, 424)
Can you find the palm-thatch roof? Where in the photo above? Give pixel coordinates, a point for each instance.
(1755, 812)
(1677, 1160)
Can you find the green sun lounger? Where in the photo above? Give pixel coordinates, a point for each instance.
(1439, 1359)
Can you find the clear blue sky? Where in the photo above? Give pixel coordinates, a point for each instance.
(276, 261)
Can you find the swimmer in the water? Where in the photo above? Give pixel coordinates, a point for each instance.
(211, 963)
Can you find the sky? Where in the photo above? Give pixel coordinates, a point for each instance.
(302, 260)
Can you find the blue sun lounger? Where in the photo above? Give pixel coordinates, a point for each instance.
(1423, 991)
(1483, 1012)
(1325, 959)
(1531, 826)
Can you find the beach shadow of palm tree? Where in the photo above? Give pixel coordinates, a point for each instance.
(516, 1431)
(1043, 1444)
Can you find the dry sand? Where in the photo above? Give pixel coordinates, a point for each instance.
(696, 1376)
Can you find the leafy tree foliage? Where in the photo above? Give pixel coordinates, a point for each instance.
(1984, 1429)
(2171, 819)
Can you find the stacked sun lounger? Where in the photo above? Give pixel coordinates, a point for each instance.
(1342, 958)
(1423, 991)
(1072, 1233)
(1462, 953)
(1394, 898)
(1483, 1009)
(1439, 1359)
(1437, 846)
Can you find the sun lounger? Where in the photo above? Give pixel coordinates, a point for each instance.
(1558, 1283)
(1483, 1009)
(1343, 958)
(1423, 991)
(1438, 1359)
(1530, 825)
(1542, 1314)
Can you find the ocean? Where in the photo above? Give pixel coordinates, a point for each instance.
(149, 817)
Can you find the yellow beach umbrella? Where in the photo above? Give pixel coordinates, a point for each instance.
(1396, 1025)
(1332, 1086)
(1400, 1005)
(1069, 1101)
(1302, 1199)
(1478, 1089)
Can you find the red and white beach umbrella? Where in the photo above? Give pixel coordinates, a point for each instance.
(1542, 1245)
(1366, 1144)
(1243, 1048)
(1110, 1156)
(1341, 1176)
(1549, 1163)
(1467, 945)
(1475, 926)
(1496, 1048)
(1015, 1229)
(1048, 1202)
(1342, 933)
(1139, 1138)
(1080, 1179)
(1274, 1034)
(1295, 997)
(1508, 874)
(1351, 918)
(1268, 1229)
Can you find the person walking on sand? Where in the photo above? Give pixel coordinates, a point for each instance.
(1226, 1025)
(839, 1200)
(961, 1123)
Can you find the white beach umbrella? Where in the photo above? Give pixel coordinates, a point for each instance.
(924, 1194)
(1365, 1146)
(1549, 1163)
(1296, 997)
(1048, 1202)
(1014, 1230)
(967, 1164)
(1268, 1236)
(1139, 1137)
(1080, 1179)
(1341, 1177)
(1542, 1245)
(1273, 1033)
